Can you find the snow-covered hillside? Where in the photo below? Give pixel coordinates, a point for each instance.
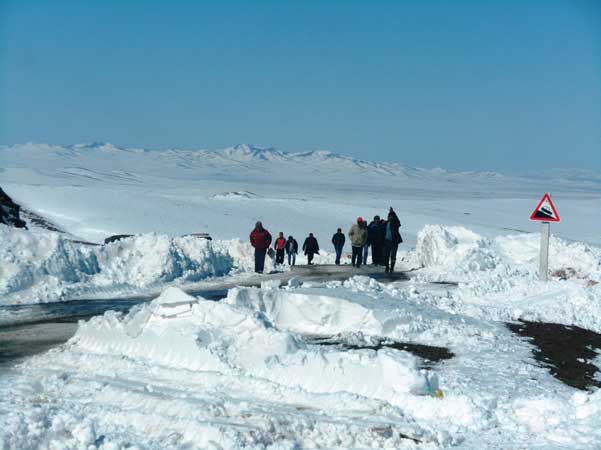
(96, 190)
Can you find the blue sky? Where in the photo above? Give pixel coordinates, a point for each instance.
(458, 84)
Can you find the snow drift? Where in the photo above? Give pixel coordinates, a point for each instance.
(44, 266)
(184, 332)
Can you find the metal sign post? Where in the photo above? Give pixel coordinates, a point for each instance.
(545, 212)
(543, 265)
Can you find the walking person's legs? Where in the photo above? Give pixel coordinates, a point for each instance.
(338, 254)
(309, 258)
(356, 251)
(393, 250)
(260, 260)
(293, 258)
(386, 255)
(365, 253)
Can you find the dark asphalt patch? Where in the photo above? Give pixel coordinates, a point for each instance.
(429, 354)
(566, 350)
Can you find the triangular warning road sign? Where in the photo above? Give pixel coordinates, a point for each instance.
(545, 211)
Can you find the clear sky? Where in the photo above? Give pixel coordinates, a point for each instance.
(458, 84)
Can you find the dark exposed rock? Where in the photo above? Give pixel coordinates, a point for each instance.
(117, 237)
(568, 351)
(10, 212)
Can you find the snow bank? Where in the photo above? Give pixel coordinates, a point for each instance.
(499, 279)
(180, 331)
(44, 266)
(457, 250)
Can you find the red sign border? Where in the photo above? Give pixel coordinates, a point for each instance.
(543, 219)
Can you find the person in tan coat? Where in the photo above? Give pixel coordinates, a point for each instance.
(358, 236)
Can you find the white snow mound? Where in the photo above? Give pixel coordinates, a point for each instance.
(179, 331)
(453, 248)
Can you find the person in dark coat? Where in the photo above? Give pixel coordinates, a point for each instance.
(260, 239)
(310, 247)
(338, 240)
(279, 246)
(381, 239)
(291, 250)
(392, 239)
(375, 239)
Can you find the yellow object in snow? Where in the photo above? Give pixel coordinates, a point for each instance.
(439, 393)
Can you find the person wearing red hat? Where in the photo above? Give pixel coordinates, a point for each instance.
(358, 237)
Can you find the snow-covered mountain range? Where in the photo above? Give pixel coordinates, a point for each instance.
(76, 160)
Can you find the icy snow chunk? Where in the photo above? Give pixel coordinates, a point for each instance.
(270, 284)
(84, 433)
(172, 302)
(295, 282)
(173, 296)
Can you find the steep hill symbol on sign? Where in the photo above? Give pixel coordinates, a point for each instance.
(545, 211)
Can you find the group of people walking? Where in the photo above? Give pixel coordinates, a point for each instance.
(381, 235)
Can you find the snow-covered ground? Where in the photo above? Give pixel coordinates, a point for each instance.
(248, 371)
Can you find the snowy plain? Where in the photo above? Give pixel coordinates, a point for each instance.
(247, 372)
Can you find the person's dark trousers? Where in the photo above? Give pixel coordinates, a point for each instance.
(291, 259)
(357, 256)
(338, 254)
(260, 260)
(390, 251)
(279, 256)
(309, 258)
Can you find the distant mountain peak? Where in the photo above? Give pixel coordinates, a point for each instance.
(96, 145)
